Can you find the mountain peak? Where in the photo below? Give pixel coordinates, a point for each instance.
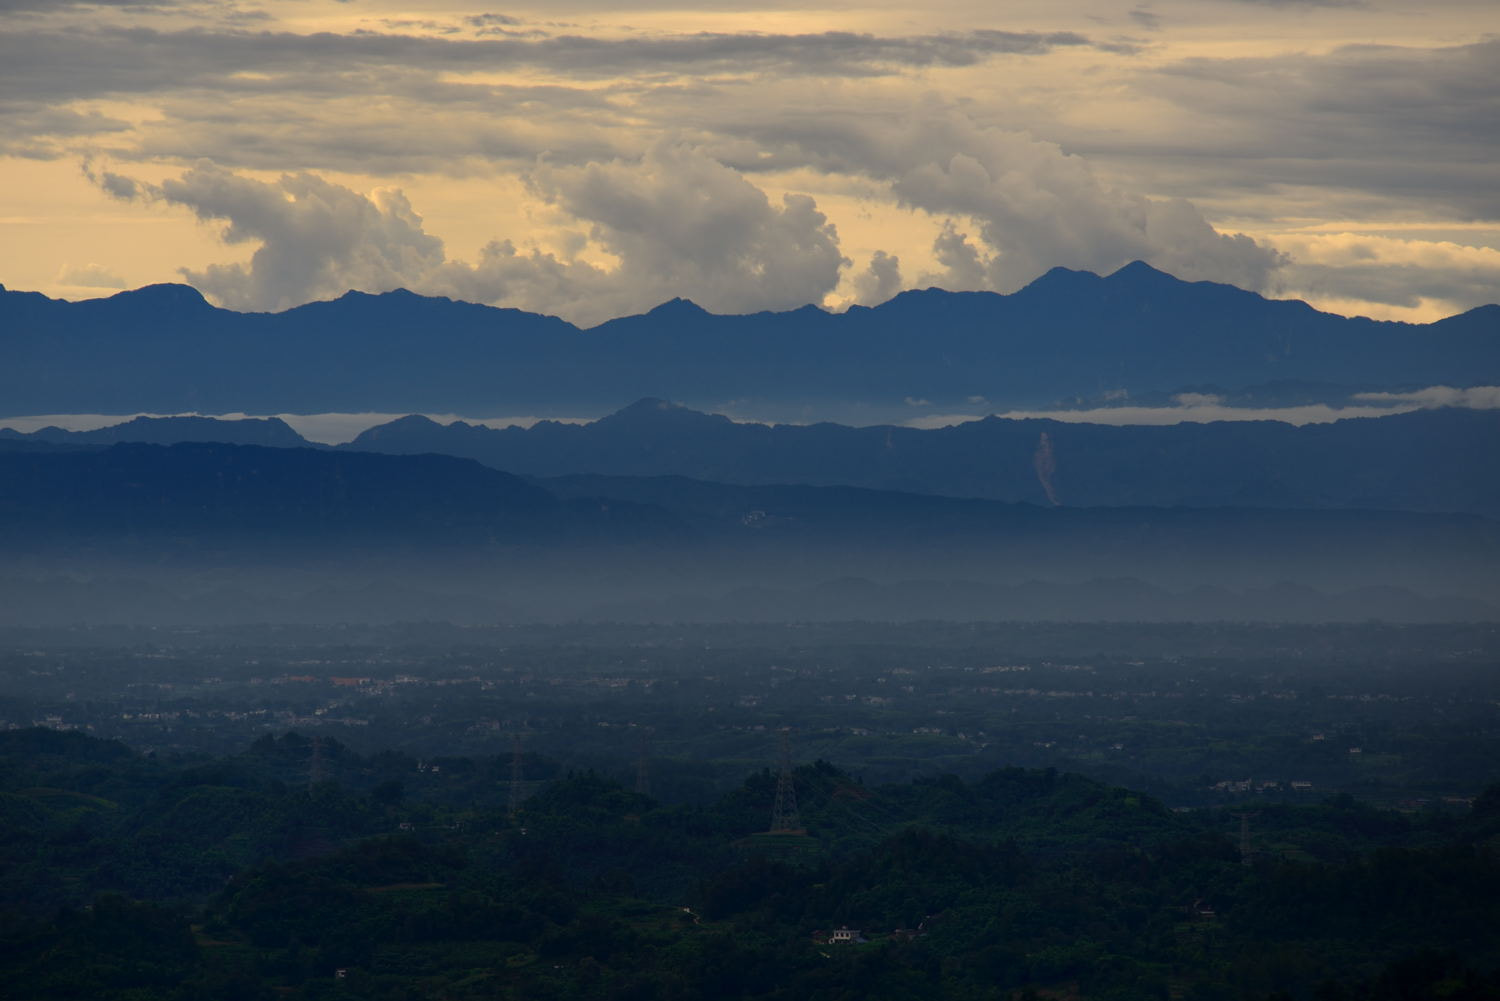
(1140, 271)
(162, 295)
(649, 406)
(678, 307)
(1060, 279)
(657, 412)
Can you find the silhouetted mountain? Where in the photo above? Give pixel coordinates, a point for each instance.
(1069, 334)
(246, 519)
(271, 432)
(239, 497)
(1434, 460)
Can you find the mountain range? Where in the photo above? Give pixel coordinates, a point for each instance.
(1067, 335)
(1430, 460)
(199, 518)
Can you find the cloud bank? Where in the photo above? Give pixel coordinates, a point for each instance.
(673, 223)
(1215, 139)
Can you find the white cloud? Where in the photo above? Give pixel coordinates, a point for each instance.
(1032, 205)
(1418, 280)
(880, 280)
(1202, 408)
(89, 275)
(675, 223)
(683, 224)
(1474, 397)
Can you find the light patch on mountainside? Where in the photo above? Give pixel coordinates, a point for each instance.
(1204, 408)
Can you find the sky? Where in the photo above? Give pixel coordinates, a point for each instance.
(591, 160)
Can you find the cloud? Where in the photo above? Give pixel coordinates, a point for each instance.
(1405, 123)
(1428, 275)
(679, 224)
(1304, 3)
(315, 238)
(1473, 397)
(675, 222)
(89, 275)
(46, 133)
(9, 6)
(1033, 206)
(880, 280)
(304, 101)
(116, 60)
(1204, 408)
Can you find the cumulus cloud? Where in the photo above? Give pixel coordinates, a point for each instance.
(89, 275)
(315, 238)
(1033, 206)
(676, 223)
(683, 224)
(880, 280)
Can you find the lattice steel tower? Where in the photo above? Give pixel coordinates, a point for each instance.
(643, 762)
(784, 816)
(516, 771)
(317, 773)
(1247, 853)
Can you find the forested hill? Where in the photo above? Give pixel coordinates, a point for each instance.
(304, 870)
(1069, 334)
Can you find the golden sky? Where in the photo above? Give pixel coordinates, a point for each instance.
(594, 159)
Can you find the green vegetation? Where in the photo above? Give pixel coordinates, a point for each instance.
(143, 877)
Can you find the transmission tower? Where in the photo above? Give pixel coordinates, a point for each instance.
(643, 762)
(1246, 854)
(516, 771)
(315, 769)
(784, 816)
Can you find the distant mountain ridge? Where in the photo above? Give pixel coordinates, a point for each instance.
(217, 497)
(1430, 460)
(430, 522)
(1068, 334)
(272, 432)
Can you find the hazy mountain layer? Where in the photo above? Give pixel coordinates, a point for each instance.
(1068, 334)
(198, 499)
(364, 535)
(1435, 460)
(270, 431)
(1439, 460)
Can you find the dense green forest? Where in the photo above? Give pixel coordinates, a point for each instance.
(300, 869)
